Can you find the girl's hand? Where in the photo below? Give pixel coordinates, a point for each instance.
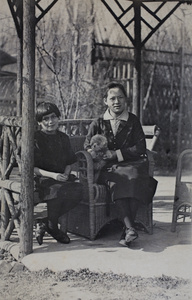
(110, 155)
(61, 177)
(57, 176)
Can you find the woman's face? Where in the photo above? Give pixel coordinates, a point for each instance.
(49, 123)
(116, 101)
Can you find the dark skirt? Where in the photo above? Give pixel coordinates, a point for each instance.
(129, 180)
(68, 193)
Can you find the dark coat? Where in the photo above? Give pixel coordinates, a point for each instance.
(129, 178)
(130, 138)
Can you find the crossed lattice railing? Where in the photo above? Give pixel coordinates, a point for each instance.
(10, 166)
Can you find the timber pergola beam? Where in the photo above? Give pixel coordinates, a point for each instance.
(131, 15)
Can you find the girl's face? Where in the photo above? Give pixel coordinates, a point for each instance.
(116, 101)
(49, 123)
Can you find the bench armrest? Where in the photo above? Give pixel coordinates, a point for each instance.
(151, 158)
(85, 166)
(85, 173)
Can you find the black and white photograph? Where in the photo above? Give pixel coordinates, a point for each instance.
(95, 149)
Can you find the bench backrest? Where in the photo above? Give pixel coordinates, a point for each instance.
(77, 130)
(151, 135)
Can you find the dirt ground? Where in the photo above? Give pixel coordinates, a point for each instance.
(17, 283)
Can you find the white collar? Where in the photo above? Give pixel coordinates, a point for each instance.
(122, 117)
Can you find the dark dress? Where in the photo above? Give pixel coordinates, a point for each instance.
(129, 178)
(54, 153)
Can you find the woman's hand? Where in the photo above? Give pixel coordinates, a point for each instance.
(110, 155)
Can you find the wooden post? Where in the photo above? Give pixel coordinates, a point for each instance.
(27, 160)
(19, 76)
(4, 207)
(182, 72)
(136, 108)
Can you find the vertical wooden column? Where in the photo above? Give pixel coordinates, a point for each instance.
(182, 74)
(4, 207)
(137, 107)
(27, 165)
(19, 76)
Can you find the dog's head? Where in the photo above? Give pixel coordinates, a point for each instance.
(98, 142)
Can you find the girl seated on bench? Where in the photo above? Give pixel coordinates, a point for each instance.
(53, 157)
(126, 172)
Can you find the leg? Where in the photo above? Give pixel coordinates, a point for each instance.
(50, 224)
(134, 205)
(124, 211)
(54, 211)
(128, 209)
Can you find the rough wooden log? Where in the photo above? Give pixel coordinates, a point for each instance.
(10, 167)
(27, 146)
(10, 228)
(4, 208)
(13, 212)
(15, 148)
(11, 225)
(11, 121)
(11, 185)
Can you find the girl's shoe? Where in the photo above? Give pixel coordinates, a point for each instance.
(128, 235)
(40, 232)
(58, 235)
(63, 238)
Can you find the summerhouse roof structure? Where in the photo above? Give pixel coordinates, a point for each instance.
(132, 14)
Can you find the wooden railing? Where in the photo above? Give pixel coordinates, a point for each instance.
(10, 157)
(78, 127)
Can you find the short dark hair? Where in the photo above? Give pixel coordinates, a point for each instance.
(46, 108)
(112, 85)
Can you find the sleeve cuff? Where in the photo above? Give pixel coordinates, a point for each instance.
(119, 155)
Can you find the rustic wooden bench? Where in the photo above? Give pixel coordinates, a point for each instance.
(89, 216)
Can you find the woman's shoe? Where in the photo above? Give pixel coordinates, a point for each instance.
(40, 232)
(62, 238)
(58, 235)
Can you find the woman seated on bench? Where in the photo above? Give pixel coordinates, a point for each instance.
(52, 159)
(126, 170)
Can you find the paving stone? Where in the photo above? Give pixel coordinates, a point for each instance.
(5, 267)
(2, 251)
(18, 267)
